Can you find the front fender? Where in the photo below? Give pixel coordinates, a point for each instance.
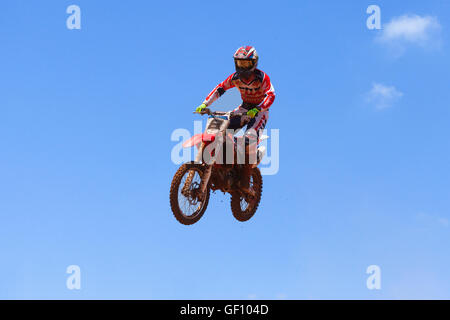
(197, 139)
(193, 141)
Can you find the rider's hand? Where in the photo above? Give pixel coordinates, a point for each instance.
(252, 113)
(200, 108)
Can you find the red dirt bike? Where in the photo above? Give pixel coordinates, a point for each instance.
(191, 184)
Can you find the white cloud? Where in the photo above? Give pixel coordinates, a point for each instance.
(432, 220)
(383, 96)
(410, 30)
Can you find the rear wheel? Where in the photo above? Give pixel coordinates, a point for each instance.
(245, 206)
(186, 201)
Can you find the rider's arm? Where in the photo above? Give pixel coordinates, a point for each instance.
(269, 94)
(219, 90)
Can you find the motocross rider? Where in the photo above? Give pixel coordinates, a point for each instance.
(257, 95)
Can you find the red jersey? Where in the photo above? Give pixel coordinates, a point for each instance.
(256, 91)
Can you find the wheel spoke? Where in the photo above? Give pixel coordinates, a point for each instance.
(187, 203)
(246, 200)
(187, 193)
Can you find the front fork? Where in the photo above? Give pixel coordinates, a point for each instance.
(205, 178)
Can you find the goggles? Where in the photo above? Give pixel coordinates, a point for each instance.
(244, 64)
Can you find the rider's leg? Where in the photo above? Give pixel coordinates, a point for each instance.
(236, 123)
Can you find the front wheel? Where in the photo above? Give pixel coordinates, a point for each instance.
(186, 201)
(244, 206)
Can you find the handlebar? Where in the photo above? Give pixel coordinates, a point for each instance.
(220, 113)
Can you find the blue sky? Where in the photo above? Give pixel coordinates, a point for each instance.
(85, 125)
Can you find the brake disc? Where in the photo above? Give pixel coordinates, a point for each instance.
(194, 190)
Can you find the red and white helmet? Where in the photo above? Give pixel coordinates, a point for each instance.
(245, 60)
